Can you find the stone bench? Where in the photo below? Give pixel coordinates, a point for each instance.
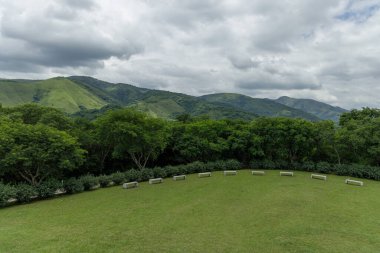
(130, 185)
(316, 176)
(286, 173)
(204, 174)
(354, 182)
(230, 172)
(180, 177)
(258, 172)
(156, 180)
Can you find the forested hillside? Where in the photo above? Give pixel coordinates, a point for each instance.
(89, 97)
(321, 110)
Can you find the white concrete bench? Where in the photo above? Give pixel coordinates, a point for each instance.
(180, 177)
(316, 176)
(230, 172)
(156, 180)
(130, 185)
(258, 172)
(354, 182)
(286, 173)
(204, 174)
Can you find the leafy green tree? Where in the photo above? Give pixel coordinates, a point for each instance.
(35, 152)
(358, 138)
(33, 114)
(201, 140)
(133, 133)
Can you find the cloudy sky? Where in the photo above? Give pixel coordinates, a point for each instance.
(322, 49)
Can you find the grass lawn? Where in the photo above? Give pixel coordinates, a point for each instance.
(242, 213)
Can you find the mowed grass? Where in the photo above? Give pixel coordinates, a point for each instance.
(242, 213)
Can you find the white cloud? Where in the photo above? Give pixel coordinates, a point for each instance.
(327, 50)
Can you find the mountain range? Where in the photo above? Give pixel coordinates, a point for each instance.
(82, 95)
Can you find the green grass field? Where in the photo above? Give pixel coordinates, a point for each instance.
(242, 213)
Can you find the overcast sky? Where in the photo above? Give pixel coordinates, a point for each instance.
(322, 49)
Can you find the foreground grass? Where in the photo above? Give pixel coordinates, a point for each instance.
(242, 213)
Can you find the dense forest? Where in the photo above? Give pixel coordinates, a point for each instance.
(39, 144)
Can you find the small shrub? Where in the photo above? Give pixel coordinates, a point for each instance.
(159, 172)
(7, 192)
(73, 185)
(308, 166)
(268, 165)
(118, 178)
(89, 182)
(182, 169)
(324, 167)
(255, 164)
(146, 174)
(232, 165)
(48, 188)
(25, 192)
(104, 180)
(282, 165)
(171, 170)
(343, 169)
(133, 175)
(195, 167)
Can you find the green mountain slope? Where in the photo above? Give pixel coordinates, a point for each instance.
(58, 92)
(160, 103)
(319, 109)
(260, 106)
(87, 96)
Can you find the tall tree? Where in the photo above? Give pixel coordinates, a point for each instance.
(35, 152)
(133, 133)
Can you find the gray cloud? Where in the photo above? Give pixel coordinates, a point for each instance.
(326, 50)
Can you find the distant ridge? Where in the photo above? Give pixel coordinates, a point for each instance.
(319, 109)
(83, 95)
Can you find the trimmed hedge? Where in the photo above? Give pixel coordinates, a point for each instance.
(25, 193)
(89, 182)
(73, 185)
(7, 192)
(118, 178)
(48, 188)
(350, 170)
(105, 180)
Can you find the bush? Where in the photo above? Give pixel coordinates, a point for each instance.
(133, 175)
(232, 165)
(195, 167)
(146, 174)
(48, 188)
(182, 169)
(268, 165)
(104, 180)
(118, 178)
(25, 192)
(159, 172)
(89, 182)
(282, 165)
(255, 164)
(73, 185)
(172, 170)
(7, 192)
(308, 166)
(324, 167)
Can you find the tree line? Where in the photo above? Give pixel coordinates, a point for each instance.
(39, 143)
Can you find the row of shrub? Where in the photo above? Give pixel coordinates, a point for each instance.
(352, 170)
(25, 193)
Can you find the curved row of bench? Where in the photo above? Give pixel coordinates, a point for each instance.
(234, 172)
